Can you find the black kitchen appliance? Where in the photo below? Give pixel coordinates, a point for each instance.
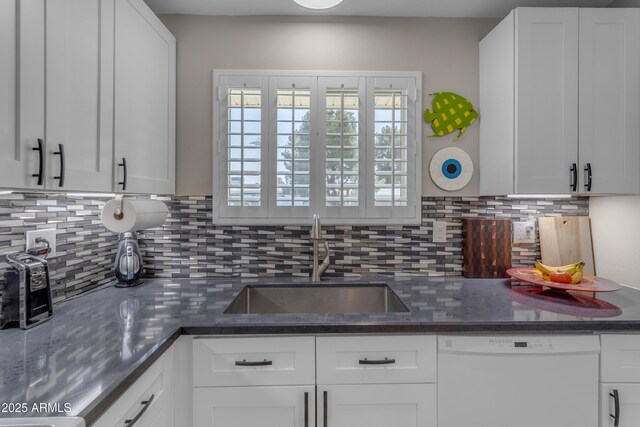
(26, 301)
(128, 263)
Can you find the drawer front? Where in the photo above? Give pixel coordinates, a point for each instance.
(626, 411)
(253, 361)
(376, 359)
(148, 396)
(620, 358)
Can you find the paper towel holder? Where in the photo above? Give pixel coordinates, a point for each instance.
(118, 215)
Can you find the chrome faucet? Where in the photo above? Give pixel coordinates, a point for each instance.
(316, 236)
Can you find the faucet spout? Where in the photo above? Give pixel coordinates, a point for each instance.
(316, 236)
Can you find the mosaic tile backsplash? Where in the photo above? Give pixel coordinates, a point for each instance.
(188, 245)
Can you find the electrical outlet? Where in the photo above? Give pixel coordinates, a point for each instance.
(439, 232)
(49, 234)
(524, 232)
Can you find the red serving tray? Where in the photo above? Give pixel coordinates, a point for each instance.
(588, 283)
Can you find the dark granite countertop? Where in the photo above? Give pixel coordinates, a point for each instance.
(98, 344)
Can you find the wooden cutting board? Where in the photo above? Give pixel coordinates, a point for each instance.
(565, 240)
(486, 247)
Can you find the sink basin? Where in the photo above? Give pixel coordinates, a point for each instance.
(324, 298)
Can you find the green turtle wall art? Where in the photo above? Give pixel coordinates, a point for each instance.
(450, 112)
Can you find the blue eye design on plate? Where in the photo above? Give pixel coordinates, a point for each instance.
(451, 169)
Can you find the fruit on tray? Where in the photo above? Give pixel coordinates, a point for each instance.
(570, 273)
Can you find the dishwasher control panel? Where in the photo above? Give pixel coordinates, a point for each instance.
(519, 344)
(534, 344)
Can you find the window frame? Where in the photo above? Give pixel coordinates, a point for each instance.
(318, 82)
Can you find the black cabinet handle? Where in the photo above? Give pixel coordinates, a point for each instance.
(244, 362)
(146, 403)
(574, 177)
(124, 174)
(386, 361)
(60, 153)
(40, 150)
(589, 180)
(325, 409)
(306, 409)
(616, 408)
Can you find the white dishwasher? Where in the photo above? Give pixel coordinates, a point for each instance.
(528, 381)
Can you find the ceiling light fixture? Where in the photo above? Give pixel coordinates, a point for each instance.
(318, 4)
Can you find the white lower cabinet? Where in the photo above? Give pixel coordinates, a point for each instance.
(619, 405)
(384, 405)
(275, 406)
(620, 380)
(149, 402)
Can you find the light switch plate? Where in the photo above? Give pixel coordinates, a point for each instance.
(439, 232)
(49, 234)
(524, 232)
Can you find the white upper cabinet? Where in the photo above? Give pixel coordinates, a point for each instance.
(79, 101)
(610, 100)
(546, 90)
(145, 64)
(560, 103)
(22, 43)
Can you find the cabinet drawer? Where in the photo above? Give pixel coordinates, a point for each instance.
(281, 406)
(628, 405)
(376, 359)
(155, 386)
(620, 358)
(253, 361)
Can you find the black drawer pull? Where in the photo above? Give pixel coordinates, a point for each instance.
(589, 179)
(146, 403)
(60, 153)
(325, 408)
(386, 361)
(306, 409)
(124, 174)
(616, 408)
(574, 177)
(40, 150)
(244, 362)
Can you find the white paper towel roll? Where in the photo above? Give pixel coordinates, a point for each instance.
(137, 214)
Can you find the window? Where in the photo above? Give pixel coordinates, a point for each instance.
(344, 145)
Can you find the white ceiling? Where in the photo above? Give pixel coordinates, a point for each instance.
(437, 8)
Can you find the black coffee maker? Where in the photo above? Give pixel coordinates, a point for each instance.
(26, 301)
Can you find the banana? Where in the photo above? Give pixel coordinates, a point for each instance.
(569, 268)
(576, 277)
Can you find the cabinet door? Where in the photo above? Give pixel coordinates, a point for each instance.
(22, 92)
(144, 101)
(406, 405)
(628, 413)
(610, 100)
(150, 399)
(254, 406)
(79, 101)
(546, 99)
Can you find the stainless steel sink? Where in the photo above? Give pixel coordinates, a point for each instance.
(322, 298)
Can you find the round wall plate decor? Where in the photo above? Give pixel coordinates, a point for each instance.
(451, 169)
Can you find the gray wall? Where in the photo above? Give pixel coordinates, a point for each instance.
(445, 50)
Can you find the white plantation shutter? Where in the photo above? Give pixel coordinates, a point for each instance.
(393, 148)
(293, 142)
(342, 101)
(290, 144)
(241, 150)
